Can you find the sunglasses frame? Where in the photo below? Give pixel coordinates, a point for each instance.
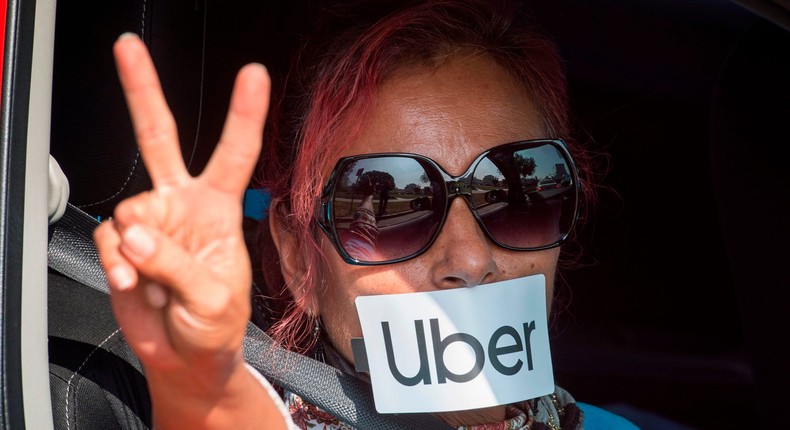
(324, 216)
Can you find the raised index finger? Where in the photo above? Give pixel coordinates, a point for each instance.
(154, 126)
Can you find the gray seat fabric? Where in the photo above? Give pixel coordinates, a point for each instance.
(96, 381)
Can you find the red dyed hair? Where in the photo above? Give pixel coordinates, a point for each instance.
(333, 83)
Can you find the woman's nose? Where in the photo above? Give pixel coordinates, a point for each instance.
(461, 256)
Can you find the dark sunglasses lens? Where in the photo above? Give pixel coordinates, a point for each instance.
(526, 198)
(386, 208)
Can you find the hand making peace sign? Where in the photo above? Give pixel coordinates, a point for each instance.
(175, 256)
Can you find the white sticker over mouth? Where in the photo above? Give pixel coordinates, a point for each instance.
(458, 349)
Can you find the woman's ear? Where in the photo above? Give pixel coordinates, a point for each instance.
(292, 263)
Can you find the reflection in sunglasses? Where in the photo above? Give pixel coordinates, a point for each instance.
(388, 207)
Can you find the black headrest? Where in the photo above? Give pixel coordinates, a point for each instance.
(92, 138)
(197, 47)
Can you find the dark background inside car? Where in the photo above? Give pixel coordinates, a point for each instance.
(650, 321)
(654, 321)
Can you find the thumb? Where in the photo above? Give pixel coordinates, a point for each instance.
(208, 313)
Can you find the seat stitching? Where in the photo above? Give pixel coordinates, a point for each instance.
(68, 384)
(137, 155)
(123, 186)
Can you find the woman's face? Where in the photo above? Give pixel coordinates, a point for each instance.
(450, 114)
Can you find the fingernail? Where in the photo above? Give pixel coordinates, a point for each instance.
(121, 278)
(156, 294)
(138, 242)
(257, 64)
(127, 35)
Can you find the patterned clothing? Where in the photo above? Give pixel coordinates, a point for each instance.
(557, 411)
(553, 412)
(307, 416)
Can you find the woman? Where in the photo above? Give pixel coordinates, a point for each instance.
(478, 98)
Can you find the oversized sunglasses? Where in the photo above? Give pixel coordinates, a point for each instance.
(390, 207)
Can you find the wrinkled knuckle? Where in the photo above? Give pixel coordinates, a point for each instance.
(237, 154)
(158, 133)
(147, 88)
(249, 115)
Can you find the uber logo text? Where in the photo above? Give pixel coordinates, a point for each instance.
(520, 342)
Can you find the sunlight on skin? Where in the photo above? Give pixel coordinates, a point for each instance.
(451, 115)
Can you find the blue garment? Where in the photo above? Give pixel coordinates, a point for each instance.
(256, 203)
(596, 418)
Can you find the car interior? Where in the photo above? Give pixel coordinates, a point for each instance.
(674, 316)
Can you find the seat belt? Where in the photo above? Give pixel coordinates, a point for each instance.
(72, 252)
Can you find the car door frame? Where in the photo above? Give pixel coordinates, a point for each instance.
(24, 156)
